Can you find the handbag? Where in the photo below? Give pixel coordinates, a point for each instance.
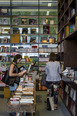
(8, 79)
(5, 78)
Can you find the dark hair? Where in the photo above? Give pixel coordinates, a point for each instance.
(52, 57)
(16, 57)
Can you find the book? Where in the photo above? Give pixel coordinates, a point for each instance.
(5, 21)
(51, 21)
(16, 31)
(46, 29)
(24, 21)
(32, 21)
(45, 21)
(25, 31)
(24, 39)
(16, 21)
(5, 30)
(51, 39)
(6, 40)
(43, 39)
(33, 31)
(4, 11)
(32, 39)
(15, 38)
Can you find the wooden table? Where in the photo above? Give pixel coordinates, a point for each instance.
(27, 107)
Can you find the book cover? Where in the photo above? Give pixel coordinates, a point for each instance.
(32, 21)
(24, 21)
(5, 21)
(25, 31)
(46, 29)
(15, 21)
(44, 21)
(52, 22)
(51, 39)
(43, 39)
(24, 39)
(16, 31)
(15, 38)
(32, 39)
(33, 31)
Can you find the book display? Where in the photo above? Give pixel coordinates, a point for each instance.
(67, 48)
(30, 32)
(23, 99)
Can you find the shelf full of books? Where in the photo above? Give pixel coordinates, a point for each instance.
(29, 31)
(68, 94)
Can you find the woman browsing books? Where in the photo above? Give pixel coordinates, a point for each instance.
(15, 75)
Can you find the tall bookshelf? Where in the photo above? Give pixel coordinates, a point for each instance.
(67, 47)
(30, 30)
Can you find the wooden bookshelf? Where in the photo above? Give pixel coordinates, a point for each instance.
(68, 93)
(67, 38)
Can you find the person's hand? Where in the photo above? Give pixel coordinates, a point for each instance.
(21, 73)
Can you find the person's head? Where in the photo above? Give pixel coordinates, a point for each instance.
(17, 58)
(52, 57)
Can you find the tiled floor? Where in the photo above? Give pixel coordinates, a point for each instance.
(40, 107)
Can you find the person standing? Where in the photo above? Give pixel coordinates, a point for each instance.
(53, 72)
(15, 75)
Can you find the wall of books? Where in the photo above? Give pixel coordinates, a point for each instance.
(28, 29)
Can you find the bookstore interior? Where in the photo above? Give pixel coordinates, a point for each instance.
(34, 29)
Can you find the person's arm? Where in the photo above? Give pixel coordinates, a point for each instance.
(60, 72)
(15, 74)
(46, 69)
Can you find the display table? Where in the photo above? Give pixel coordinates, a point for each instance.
(21, 106)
